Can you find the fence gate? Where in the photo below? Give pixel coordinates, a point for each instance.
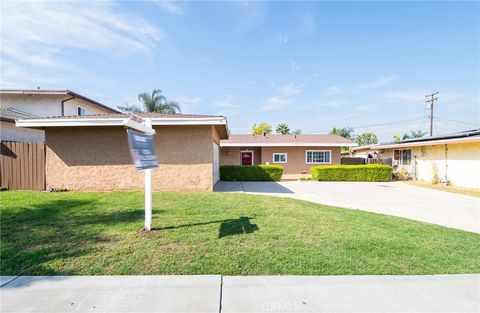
(22, 165)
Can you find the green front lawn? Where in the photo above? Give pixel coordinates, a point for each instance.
(95, 233)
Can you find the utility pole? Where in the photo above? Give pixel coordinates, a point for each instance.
(433, 97)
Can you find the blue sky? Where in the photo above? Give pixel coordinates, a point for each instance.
(312, 65)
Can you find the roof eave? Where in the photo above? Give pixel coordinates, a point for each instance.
(75, 122)
(287, 144)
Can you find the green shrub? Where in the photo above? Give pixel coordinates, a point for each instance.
(370, 172)
(251, 172)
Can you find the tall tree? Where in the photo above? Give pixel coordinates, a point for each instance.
(414, 134)
(261, 128)
(345, 132)
(397, 138)
(367, 138)
(283, 129)
(154, 102)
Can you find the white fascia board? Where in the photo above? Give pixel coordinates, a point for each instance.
(63, 122)
(288, 144)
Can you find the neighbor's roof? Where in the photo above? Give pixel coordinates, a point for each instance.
(278, 140)
(118, 119)
(461, 137)
(10, 115)
(55, 92)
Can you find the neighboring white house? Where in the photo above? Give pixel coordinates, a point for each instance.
(18, 104)
(453, 158)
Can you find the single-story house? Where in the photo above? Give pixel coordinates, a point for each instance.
(296, 153)
(452, 158)
(25, 103)
(91, 152)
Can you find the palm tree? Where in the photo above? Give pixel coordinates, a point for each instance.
(154, 102)
(283, 129)
(345, 132)
(414, 134)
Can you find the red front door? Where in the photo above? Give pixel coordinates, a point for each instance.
(247, 158)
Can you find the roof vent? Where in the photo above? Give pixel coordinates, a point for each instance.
(264, 134)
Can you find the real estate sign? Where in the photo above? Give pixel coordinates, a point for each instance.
(142, 150)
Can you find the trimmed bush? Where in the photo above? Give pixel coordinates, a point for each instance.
(251, 172)
(370, 172)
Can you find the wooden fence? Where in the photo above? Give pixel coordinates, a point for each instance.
(22, 165)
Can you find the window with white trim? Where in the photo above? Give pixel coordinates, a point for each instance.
(404, 157)
(318, 157)
(81, 111)
(279, 158)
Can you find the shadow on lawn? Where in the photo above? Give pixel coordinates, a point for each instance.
(228, 227)
(34, 236)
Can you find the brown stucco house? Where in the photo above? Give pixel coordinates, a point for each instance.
(91, 152)
(296, 153)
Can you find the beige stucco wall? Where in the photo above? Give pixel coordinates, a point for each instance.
(71, 107)
(98, 158)
(295, 157)
(9, 132)
(231, 155)
(39, 105)
(457, 163)
(47, 105)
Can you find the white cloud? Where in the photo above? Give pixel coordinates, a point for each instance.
(187, 103)
(332, 91)
(406, 96)
(37, 35)
(283, 39)
(333, 104)
(375, 84)
(306, 23)
(337, 90)
(170, 7)
(284, 98)
(293, 65)
(226, 107)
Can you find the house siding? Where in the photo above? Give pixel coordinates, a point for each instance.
(231, 155)
(98, 158)
(296, 157)
(456, 163)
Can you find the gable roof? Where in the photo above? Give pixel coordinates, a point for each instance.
(65, 92)
(278, 140)
(460, 137)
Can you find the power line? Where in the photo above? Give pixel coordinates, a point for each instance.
(460, 122)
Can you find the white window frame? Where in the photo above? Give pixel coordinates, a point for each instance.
(253, 156)
(82, 108)
(400, 155)
(280, 153)
(329, 152)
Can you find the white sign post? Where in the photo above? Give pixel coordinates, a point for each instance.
(148, 190)
(143, 155)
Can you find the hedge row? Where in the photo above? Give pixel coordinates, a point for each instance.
(370, 172)
(251, 172)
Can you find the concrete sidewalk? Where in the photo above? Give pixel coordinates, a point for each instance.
(392, 198)
(439, 293)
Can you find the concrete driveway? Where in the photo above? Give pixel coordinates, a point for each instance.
(392, 198)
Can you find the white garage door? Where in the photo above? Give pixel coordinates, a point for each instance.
(216, 163)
